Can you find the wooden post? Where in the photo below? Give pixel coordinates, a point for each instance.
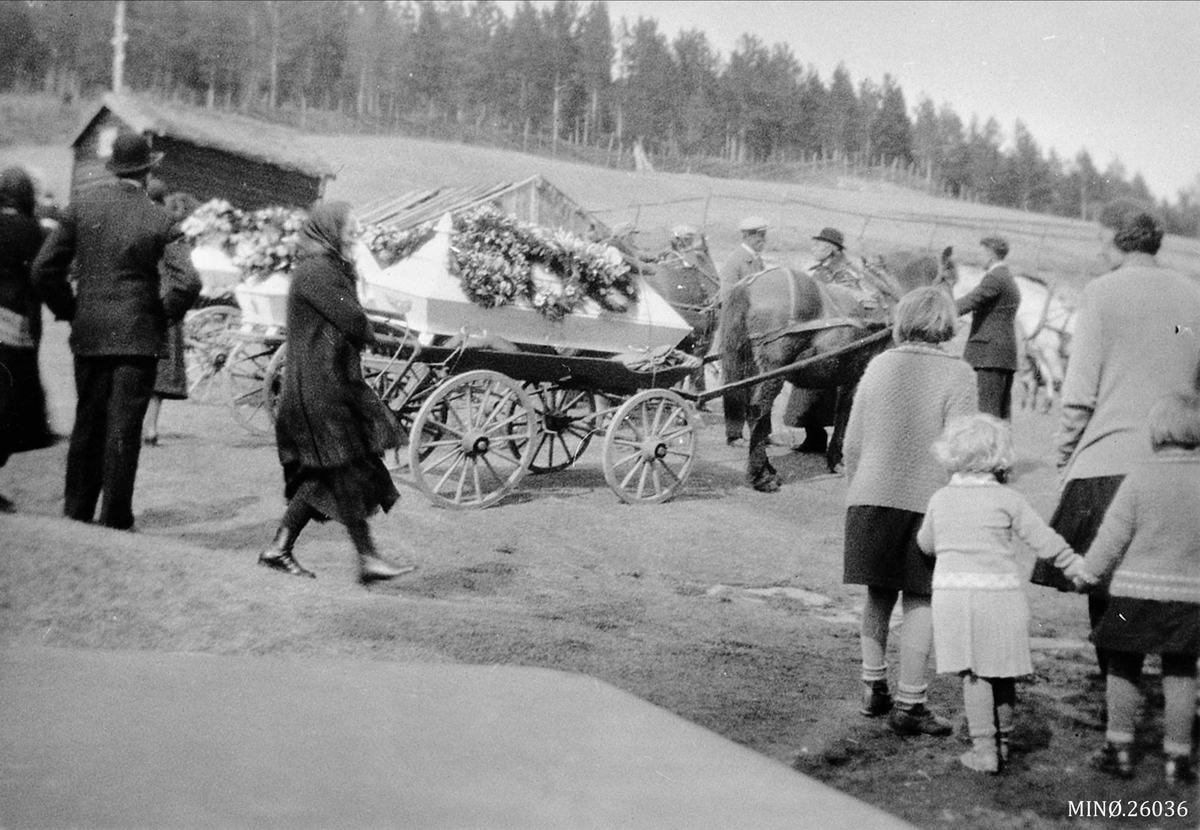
(118, 43)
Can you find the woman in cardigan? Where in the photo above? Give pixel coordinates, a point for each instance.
(331, 429)
(23, 423)
(903, 402)
(1132, 346)
(1149, 542)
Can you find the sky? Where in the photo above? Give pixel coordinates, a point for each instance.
(1119, 79)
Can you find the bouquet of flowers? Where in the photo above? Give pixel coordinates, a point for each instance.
(268, 241)
(260, 243)
(390, 245)
(495, 256)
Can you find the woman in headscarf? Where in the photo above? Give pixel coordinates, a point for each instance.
(170, 380)
(23, 423)
(331, 428)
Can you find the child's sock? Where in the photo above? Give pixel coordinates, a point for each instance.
(1004, 691)
(981, 718)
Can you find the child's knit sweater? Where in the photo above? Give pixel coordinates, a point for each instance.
(1151, 532)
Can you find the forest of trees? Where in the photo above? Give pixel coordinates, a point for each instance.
(563, 70)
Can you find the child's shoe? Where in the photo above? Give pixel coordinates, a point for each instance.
(919, 720)
(982, 757)
(876, 699)
(1179, 771)
(1115, 759)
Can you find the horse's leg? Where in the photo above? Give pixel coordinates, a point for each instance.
(759, 471)
(841, 417)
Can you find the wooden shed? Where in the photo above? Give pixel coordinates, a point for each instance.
(533, 200)
(210, 154)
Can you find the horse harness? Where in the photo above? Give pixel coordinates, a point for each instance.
(795, 326)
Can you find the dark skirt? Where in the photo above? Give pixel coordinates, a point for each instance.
(1147, 626)
(1077, 517)
(171, 380)
(23, 422)
(347, 494)
(881, 550)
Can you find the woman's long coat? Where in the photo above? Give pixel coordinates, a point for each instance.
(328, 416)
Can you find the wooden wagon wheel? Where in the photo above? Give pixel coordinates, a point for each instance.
(649, 447)
(403, 388)
(459, 446)
(207, 341)
(245, 383)
(566, 418)
(273, 382)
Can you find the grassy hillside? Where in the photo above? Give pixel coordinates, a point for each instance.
(876, 218)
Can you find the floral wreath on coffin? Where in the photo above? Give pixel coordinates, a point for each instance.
(494, 256)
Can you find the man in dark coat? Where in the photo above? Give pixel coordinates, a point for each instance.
(110, 243)
(992, 345)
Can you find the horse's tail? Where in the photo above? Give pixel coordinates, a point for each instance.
(737, 352)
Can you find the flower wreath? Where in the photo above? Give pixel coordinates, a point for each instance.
(496, 256)
(260, 243)
(499, 260)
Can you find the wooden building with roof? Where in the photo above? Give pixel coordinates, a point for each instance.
(533, 200)
(210, 154)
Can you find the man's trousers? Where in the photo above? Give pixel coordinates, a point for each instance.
(113, 393)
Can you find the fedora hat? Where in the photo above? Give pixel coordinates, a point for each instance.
(131, 154)
(833, 236)
(996, 244)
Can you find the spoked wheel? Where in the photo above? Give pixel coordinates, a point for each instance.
(273, 382)
(245, 379)
(207, 341)
(649, 447)
(567, 419)
(460, 441)
(403, 391)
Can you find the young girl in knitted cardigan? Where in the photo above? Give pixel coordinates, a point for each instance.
(1149, 542)
(980, 614)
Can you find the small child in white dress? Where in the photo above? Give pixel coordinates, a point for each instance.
(980, 613)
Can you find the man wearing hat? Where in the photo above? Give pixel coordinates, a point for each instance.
(745, 262)
(110, 243)
(813, 409)
(833, 268)
(622, 238)
(992, 344)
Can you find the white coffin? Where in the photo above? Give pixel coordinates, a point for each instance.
(218, 275)
(264, 302)
(437, 305)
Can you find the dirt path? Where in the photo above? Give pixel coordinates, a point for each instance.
(725, 606)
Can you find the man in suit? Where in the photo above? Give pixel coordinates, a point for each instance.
(745, 262)
(992, 344)
(110, 243)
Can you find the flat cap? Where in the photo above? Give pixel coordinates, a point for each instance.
(752, 223)
(681, 231)
(624, 229)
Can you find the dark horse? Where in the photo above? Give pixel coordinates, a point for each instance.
(778, 317)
